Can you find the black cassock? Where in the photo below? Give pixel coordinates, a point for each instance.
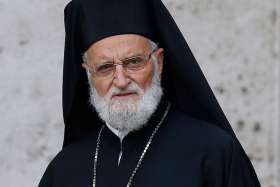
(185, 152)
(195, 145)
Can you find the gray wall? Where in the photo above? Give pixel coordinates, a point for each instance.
(237, 44)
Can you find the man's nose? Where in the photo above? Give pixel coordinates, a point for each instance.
(120, 78)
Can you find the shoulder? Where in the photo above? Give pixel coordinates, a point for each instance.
(196, 132)
(75, 153)
(74, 158)
(220, 154)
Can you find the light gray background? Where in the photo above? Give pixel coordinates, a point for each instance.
(236, 42)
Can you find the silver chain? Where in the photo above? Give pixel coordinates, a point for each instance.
(141, 157)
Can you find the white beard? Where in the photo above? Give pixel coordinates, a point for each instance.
(126, 115)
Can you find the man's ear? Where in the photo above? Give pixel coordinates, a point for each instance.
(160, 57)
(84, 65)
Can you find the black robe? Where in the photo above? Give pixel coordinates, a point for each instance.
(185, 152)
(194, 147)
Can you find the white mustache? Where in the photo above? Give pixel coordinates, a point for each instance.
(132, 88)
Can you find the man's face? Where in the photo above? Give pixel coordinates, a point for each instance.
(118, 47)
(126, 99)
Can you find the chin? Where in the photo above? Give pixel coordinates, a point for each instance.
(125, 104)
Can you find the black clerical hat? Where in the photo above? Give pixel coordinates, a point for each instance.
(87, 21)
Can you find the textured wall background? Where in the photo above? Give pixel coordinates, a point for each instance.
(236, 42)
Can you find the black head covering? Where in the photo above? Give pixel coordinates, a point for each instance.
(87, 21)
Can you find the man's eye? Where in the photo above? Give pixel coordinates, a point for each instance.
(105, 67)
(134, 61)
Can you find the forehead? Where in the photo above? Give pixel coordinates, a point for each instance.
(119, 45)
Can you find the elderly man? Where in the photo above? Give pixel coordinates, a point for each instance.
(137, 108)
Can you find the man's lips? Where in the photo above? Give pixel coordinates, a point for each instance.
(122, 95)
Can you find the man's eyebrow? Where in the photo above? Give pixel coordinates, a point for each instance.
(101, 62)
(102, 58)
(135, 54)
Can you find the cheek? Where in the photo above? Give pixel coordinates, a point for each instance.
(102, 87)
(144, 77)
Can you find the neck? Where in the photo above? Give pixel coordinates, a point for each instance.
(117, 132)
